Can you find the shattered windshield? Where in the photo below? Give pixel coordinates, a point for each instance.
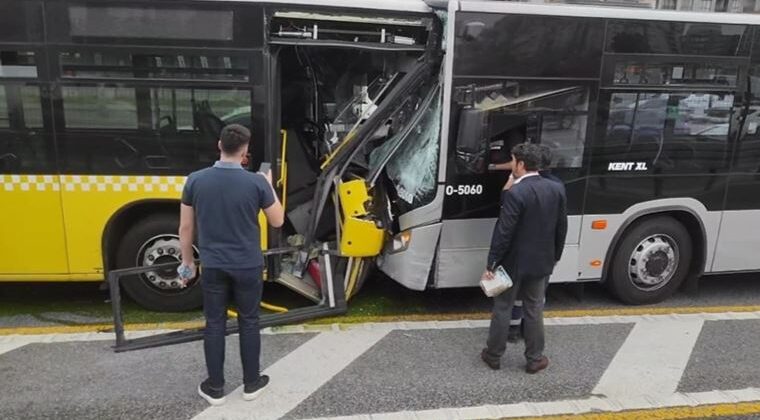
(412, 156)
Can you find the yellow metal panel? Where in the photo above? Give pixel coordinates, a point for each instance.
(32, 239)
(4, 277)
(353, 196)
(359, 237)
(89, 201)
(44, 216)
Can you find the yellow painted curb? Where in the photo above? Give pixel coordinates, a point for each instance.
(102, 328)
(575, 313)
(571, 313)
(672, 413)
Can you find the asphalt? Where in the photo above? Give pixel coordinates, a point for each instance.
(725, 357)
(87, 380)
(412, 367)
(427, 369)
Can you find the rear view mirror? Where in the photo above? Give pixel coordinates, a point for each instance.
(472, 146)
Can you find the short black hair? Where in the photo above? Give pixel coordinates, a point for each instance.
(529, 154)
(546, 156)
(234, 137)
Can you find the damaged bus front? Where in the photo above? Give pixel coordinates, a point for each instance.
(349, 114)
(360, 118)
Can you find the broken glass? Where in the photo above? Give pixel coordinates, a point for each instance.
(412, 156)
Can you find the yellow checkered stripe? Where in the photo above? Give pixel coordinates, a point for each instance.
(91, 183)
(29, 183)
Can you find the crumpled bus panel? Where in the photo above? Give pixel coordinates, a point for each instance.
(359, 234)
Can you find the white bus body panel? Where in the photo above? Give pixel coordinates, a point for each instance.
(738, 246)
(464, 248)
(594, 244)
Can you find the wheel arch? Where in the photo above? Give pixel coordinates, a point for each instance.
(121, 220)
(690, 216)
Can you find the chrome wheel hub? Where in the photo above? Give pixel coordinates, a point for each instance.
(162, 249)
(653, 262)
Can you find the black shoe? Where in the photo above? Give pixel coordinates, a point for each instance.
(537, 365)
(515, 334)
(212, 395)
(251, 391)
(494, 364)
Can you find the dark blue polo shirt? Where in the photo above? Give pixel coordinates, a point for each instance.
(227, 199)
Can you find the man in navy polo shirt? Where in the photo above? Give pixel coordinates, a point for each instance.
(224, 202)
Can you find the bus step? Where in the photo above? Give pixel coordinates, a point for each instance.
(304, 287)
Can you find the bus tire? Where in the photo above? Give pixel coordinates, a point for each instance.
(154, 240)
(651, 261)
(368, 266)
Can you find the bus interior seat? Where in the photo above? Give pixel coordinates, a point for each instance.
(206, 121)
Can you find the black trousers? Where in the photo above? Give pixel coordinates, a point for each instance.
(246, 287)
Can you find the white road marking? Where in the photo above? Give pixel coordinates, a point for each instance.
(6, 347)
(650, 362)
(652, 359)
(12, 342)
(298, 375)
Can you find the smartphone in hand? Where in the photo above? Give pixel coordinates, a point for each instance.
(266, 170)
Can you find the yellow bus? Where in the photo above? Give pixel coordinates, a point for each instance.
(384, 123)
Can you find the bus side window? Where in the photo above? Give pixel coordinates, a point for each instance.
(24, 146)
(669, 132)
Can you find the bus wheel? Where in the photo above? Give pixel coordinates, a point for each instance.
(651, 262)
(152, 241)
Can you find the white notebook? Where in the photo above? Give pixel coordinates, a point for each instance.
(500, 282)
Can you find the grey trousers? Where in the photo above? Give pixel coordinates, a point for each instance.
(532, 292)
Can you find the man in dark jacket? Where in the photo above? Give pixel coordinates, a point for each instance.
(515, 324)
(527, 241)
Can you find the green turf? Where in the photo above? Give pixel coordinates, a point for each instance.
(33, 304)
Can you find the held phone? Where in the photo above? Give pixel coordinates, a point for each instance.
(265, 167)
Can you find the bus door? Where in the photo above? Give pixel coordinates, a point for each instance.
(31, 220)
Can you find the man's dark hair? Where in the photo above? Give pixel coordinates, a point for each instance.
(234, 137)
(546, 157)
(529, 154)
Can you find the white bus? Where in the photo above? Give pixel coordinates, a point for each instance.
(382, 120)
